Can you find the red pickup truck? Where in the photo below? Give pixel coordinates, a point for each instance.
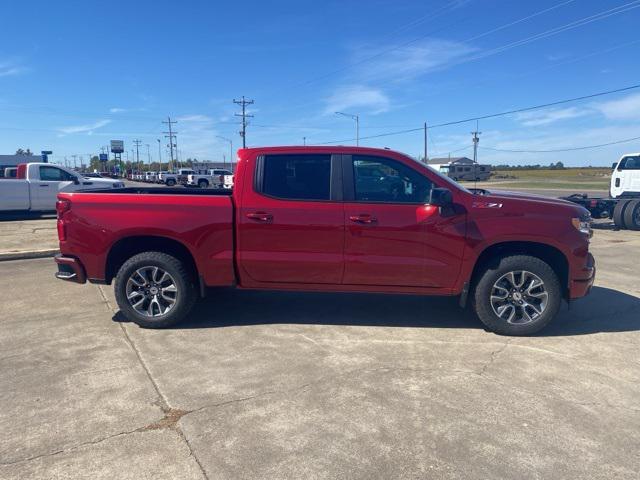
(342, 219)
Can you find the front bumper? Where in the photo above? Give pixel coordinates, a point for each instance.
(70, 269)
(581, 285)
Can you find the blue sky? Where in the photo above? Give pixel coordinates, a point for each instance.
(75, 74)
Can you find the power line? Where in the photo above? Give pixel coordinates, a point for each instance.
(556, 150)
(535, 107)
(493, 115)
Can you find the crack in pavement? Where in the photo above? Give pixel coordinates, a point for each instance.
(164, 404)
(493, 355)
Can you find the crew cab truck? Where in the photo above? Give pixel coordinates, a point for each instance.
(212, 178)
(623, 204)
(37, 185)
(303, 218)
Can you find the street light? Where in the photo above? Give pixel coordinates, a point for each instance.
(230, 149)
(357, 119)
(159, 154)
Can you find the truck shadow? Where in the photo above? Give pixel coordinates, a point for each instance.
(604, 310)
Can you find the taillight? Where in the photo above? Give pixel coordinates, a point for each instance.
(62, 206)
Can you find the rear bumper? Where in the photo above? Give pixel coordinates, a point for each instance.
(70, 269)
(583, 281)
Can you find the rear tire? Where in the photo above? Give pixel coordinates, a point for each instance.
(154, 290)
(632, 215)
(618, 213)
(203, 184)
(171, 183)
(534, 295)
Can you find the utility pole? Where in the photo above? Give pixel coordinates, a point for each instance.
(137, 144)
(426, 159)
(357, 119)
(171, 135)
(230, 150)
(304, 141)
(159, 154)
(476, 140)
(148, 156)
(75, 166)
(243, 132)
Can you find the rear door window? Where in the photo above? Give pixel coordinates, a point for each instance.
(297, 177)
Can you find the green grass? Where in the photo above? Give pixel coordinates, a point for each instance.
(569, 178)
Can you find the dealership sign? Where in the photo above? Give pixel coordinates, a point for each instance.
(117, 146)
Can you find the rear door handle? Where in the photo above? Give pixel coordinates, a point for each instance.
(44, 185)
(364, 218)
(260, 217)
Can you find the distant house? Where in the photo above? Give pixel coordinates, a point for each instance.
(460, 168)
(450, 161)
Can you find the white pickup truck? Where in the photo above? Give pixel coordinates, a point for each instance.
(37, 185)
(212, 178)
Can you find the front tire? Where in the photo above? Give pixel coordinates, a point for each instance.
(203, 184)
(154, 290)
(171, 183)
(518, 296)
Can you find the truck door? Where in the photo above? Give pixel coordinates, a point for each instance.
(392, 236)
(45, 190)
(290, 221)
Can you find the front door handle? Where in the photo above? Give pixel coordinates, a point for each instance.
(44, 185)
(364, 218)
(260, 217)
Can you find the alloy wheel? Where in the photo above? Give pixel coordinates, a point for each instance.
(519, 297)
(151, 291)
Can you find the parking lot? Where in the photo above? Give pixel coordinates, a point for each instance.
(284, 385)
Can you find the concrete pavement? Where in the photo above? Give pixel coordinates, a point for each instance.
(295, 385)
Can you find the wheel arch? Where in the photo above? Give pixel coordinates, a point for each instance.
(127, 247)
(554, 257)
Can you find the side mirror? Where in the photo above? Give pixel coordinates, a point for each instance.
(440, 197)
(613, 165)
(76, 181)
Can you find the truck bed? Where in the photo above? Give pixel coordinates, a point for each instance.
(98, 223)
(166, 191)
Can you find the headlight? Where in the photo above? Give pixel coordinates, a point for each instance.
(583, 225)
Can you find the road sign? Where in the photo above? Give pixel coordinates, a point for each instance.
(117, 146)
(45, 155)
(104, 157)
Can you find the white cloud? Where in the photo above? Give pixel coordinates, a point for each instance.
(117, 110)
(359, 97)
(410, 61)
(627, 108)
(194, 118)
(545, 117)
(9, 68)
(83, 128)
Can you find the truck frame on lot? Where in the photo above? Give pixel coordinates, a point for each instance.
(36, 186)
(623, 204)
(317, 219)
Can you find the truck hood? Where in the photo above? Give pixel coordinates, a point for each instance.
(504, 196)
